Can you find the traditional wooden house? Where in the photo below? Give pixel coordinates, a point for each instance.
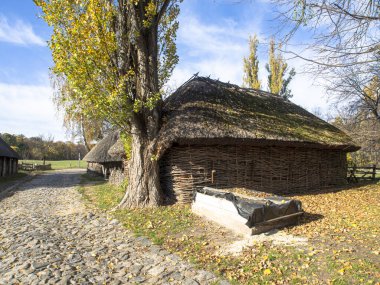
(117, 149)
(221, 135)
(8, 159)
(99, 160)
(117, 176)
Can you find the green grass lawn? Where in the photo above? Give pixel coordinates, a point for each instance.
(59, 164)
(100, 193)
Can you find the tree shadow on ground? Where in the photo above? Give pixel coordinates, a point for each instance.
(309, 217)
(306, 218)
(57, 180)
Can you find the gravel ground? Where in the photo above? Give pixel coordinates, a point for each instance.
(47, 236)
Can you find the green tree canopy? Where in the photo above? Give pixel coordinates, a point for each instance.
(94, 47)
(111, 59)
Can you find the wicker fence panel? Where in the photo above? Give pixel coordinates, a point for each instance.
(94, 168)
(117, 176)
(269, 169)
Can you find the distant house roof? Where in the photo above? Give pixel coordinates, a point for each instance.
(204, 111)
(6, 150)
(100, 154)
(117, 150)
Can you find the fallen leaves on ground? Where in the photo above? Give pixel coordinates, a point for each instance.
(347, 218)
(342, 227)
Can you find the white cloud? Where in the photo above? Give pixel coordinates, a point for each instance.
(218, 50)
(29, 110)
(18, 32)
(216, 39)
(308, 94)
(308, 87)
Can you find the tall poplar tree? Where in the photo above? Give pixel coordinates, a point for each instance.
(111, 58)
(251, 65)
(278, 83)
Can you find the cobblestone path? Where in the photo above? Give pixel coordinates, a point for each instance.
(47, 236)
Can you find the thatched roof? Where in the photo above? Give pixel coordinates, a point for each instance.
(206, 111)
(100, 154)
(6, 150)
(117, 150)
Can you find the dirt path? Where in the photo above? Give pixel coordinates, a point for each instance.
(47, 236)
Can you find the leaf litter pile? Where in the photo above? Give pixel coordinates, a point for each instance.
(342, 228)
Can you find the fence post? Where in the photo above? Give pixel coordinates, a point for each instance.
(374, 172)
(354, 172)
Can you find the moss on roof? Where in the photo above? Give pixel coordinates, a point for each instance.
(205, 109)
(100, 154)
(117, 150)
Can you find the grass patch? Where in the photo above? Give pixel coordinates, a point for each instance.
(59, 164)
(15, 177)
(343, 244)
(99, 193)
(157, 223)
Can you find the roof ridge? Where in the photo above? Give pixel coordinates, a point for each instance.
(210, 80)
(201, 109)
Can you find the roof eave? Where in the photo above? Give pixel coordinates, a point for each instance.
(265, 142)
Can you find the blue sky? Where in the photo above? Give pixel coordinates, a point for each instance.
(212, 40)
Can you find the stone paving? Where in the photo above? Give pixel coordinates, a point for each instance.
(47, 236)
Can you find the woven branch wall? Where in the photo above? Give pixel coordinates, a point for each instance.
(118, 175)
(268, 169)
(94, 167)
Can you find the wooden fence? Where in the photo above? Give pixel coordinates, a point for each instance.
(32, 166)
(356, 173)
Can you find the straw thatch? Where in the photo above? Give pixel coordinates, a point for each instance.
(117, 150)
(220, 135)
(99, 153)
(6, 150)
(209, 111)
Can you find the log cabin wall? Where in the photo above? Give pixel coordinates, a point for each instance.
(5, 168)
(1, 165)
(14, 166)
(8, 166)
(272, 169)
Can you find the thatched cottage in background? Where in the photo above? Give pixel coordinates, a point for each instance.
(8, 159)
(220, 135)
(100, 161)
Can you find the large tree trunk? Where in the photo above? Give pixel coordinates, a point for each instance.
(143, 169)
(143, 176)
